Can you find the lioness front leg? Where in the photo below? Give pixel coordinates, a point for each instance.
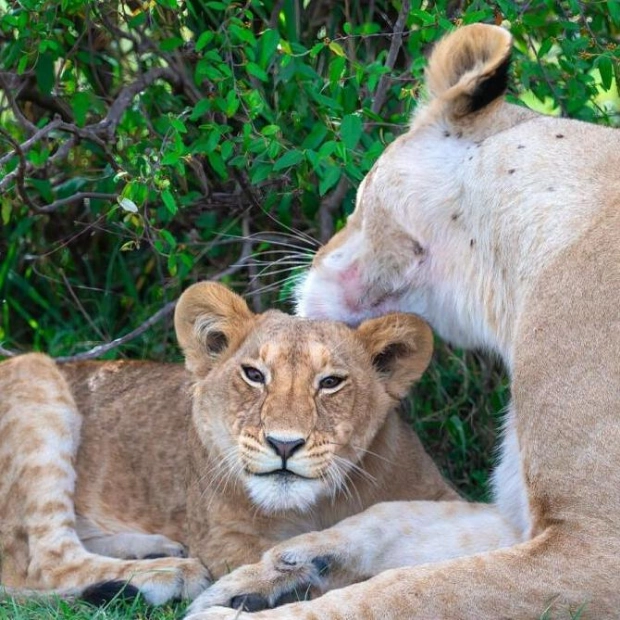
(386, 536)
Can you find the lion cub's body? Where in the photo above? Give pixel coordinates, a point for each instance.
(156, 459)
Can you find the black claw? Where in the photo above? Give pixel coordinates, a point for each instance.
(249, 602)
(102, 593)
(322, 564)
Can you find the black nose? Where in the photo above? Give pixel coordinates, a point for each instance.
(285, 449)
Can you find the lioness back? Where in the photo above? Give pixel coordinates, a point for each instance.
(276, 426)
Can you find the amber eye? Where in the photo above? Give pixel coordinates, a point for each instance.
(331, 382)
(253, 374)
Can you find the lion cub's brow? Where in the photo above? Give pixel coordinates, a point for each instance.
(311, 353)
(301, 344)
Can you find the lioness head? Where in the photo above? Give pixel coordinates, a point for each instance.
(414, 242)
(289, 406)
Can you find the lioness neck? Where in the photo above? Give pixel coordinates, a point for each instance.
(503, 231)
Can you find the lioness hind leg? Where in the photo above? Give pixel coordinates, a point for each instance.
(39, 545)
(127, 544)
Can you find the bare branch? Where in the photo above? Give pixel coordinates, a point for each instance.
(28, 144)
(328, 207)
(127, 94)
(395, 44)
(75, 198)
(29, 127)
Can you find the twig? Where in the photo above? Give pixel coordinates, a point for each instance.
(29, 127)
(329, 204)
(162, 313)
(395, 44)
(332, 201)
(117, 342)
(28, 144)
(127, 94)
(52, 206)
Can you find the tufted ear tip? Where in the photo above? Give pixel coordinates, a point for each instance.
(468, 69)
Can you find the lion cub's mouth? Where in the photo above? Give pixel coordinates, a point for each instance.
(280, 473)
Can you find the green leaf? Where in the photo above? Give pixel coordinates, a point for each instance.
(317, 49)
(253, 69)
(606, 69)
(178, 124)
(337, 49)
(22, 64)
(330, 178)
(6, 212)
(290, 158)
(81, 104)
(260, 172)
(44, 72)
(204, 39)
(351, 130)
(202, 107)
(217, 163)
(169, 202)
(168, 238)
(243, 34)
(232, 103)
(170, 44)
(268, 46)
(316, 136)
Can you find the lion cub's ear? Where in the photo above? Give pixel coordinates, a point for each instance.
(468, 69)
(401, 346)
(210, 321)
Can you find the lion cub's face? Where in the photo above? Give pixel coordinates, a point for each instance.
(287, 406)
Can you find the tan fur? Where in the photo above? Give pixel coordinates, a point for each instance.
(502, 228)
(102, 462)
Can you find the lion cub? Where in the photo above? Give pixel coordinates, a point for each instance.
(277, 426)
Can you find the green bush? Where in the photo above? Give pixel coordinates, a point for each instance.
(145, 145)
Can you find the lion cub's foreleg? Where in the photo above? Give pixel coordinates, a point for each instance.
(40, 548)
(126, 544)
(386, 536)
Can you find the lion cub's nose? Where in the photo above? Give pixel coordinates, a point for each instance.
(285, 449)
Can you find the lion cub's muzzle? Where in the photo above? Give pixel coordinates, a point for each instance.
(279, 456)
(285, 471)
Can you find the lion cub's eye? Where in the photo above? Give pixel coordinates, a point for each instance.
(331, 382)
(253, 375)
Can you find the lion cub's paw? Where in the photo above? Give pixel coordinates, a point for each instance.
(279, 578)
(160, 547)
(170, 578)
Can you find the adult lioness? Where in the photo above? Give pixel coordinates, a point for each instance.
(287, 425)
(502, 228)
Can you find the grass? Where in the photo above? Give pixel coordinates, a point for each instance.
(65, 610)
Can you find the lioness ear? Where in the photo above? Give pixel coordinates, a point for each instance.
(210, 321)
(401, 346)
(468, 69)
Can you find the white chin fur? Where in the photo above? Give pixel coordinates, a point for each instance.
(275, 493)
